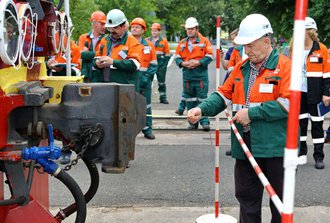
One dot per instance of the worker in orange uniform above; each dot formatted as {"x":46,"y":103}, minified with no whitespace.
{"x":163,"y":56}
{"x":89,"y":44}
{"x":315,"y":88}
{"x":193,"y":54}
{"x":57,"y":63}
{"x":258,"y":90}
{"x":120,"y":57}
{"x":148,"y":68}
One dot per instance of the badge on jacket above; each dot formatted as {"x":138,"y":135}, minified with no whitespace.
{"x":314,"y":59}
{"x":266,"y":88}
{"x":122,"y":54}
{"x":146,"y":50}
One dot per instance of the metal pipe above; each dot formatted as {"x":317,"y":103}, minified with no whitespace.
{"x":291,"y":159}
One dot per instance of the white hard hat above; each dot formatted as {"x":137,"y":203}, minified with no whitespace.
{"x":191,"y":22}
{"x":310,"y":23}
{"x":252,"y":27}
{"x":115,"y":17}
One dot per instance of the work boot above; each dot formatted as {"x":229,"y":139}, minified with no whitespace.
{"x":206,"y":127}
{"x":193,"y":126}
{"x":164,"y":101}
{"x":319,"y":164}
{"x":149,"y":135}
{"x":179,"y":112}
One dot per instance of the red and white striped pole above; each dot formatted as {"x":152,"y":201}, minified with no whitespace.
{"x":271,"y":192}
{"x":217,"y":127}
{"x":291,"y":159}
{"x":217,"y":217}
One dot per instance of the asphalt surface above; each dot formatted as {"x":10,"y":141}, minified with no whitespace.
{"x":172,"y":178}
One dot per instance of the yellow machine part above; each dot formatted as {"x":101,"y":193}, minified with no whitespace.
{"x":57,"y":83}
{"x":9,"y":76}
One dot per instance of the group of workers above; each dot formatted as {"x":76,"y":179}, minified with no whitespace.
{"x":257,"y":87}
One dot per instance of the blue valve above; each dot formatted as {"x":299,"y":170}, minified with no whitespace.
{"x":44,"y":154}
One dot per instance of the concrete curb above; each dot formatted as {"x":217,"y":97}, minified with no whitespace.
{"x":315,"y":214}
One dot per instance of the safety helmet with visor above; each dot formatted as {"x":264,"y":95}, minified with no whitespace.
{"x":252,"y":27}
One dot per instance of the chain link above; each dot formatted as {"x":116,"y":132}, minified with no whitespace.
{"x":87,"y":135}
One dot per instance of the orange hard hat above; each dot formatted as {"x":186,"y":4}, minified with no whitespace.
{"x":98,"y":16}
{"x":156,"y":26}
{"x":139,"y":21}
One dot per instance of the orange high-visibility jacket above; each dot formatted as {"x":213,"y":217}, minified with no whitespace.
{"x":86,"y":41}
{"x":235,"y":57}
{"x":126,"y":55}
{"x":75,"y":55}
{"x":276,"y":73}
{"x":318,"y":73}
{"x":201,"y":51}
{"x":269,"y":105}
{"x":162,"y":47}
{"x":148,"y":59}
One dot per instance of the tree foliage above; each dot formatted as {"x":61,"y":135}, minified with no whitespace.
{"x":173,"y":13}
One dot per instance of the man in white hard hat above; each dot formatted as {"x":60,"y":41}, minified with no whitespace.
{"x":258,"y":89}
{"x":121,"y":53}
{"x":314,"y":89}
{"x":193,"y":55}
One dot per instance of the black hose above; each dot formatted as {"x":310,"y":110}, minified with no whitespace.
{"x":94,"y":185}
{"x":30,"y":176}
{"x":76,"y":192}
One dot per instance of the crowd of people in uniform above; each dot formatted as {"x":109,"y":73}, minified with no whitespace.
{"x":257,"y":86}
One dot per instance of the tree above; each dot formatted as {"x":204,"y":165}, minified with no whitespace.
{"x":318,"y":10}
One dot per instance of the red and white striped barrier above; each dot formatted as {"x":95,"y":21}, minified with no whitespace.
{"x":217,"y":217}
{"x":271,"y":192}
{"x":291,"y":160}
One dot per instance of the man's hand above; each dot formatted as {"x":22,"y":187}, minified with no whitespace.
{"x":186,"y":64}
{"x":104,"y":61}
{"x":51,"y":63}
{"x":194,"y":63}
{"x":194,"y":115}
{"x":242,"y":117}
{"x":84,"y":49}
{"x":326,"y":100}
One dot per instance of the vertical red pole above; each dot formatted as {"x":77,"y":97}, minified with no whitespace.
{"x":217,"y":120}
{"x":291,"y":159}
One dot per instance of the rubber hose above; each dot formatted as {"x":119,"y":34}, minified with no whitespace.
{"x":94,"y":185}
{"x":76,"y":192}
